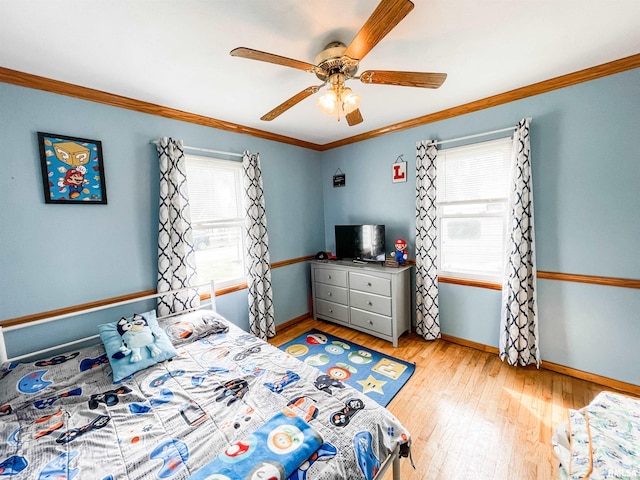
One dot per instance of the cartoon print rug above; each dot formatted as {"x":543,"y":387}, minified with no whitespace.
{"x":375,"y":374}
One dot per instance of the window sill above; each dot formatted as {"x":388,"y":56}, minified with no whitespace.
{"x":470,"y":283}
{"x":224,"y":291}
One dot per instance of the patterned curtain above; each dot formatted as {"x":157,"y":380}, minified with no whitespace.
{"x":261,"y":314}
{"x":427,"y":311}
{"x":176,"y":257}
{"x":519,"y":311}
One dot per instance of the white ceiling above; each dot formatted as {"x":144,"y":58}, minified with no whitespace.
{"x":176,"y":53}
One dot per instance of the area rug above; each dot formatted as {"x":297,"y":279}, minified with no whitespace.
{"x":373,"y":373}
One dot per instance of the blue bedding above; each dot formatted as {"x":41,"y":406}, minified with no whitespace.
{"x":65,"y":418}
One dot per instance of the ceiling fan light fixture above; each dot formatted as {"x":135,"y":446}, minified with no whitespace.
{"x":350,"y":100}
{"x":328,"y":102}
{"x":338,"y":101}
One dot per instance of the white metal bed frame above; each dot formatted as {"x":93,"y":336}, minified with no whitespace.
{"x":392,"y":460}
{"x":3,"y":347}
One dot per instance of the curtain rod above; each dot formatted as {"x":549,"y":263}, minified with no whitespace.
{"x":476,"y":135}
{"x":207,"y":150}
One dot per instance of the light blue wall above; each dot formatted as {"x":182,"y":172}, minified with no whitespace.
{"x":586,"y":169}
{"x":586,"y":161}
{"x":55,"y":256}
{"x":592,"y":328}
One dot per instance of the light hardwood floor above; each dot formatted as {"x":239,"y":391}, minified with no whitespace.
{"x":470,"y":415}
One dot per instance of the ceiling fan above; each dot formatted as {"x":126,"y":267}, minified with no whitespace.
{"x":338,"y":63}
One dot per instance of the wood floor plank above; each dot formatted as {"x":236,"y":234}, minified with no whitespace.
{"x":470,"y":415}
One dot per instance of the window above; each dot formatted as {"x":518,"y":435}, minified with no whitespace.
{"x":472,"y":196}
{"x":217,"y":219}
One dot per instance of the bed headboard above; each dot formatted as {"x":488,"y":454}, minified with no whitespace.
{"x":202,"y":289}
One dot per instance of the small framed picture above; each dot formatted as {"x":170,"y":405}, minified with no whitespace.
{"x":399,"y":172}
{"x":72,"y":169}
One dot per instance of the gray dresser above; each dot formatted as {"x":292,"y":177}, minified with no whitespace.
{"x":371,"y":298}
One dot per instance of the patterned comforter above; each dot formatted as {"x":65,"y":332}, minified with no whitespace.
{"x":602,"y":440}
{"x":63,"y":418}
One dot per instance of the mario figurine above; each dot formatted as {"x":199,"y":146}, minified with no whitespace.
{"x":401,"y":251}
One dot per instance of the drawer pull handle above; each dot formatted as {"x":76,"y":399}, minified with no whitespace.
{"x":370,"y":322}
{"x":329,"y":293}
{"x":330,"y":311}
{"x":329,"y":277}
{"x":368,"y":284}
{"x":369,"y":303}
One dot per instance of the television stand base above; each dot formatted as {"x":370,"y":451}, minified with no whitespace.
{"x":360,"y":262}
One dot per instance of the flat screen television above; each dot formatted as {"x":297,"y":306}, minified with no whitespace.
{"x":360,"y":242}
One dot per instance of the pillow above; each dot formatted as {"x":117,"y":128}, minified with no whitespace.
{"x":192,"y":326}
{"x":135,"y":343}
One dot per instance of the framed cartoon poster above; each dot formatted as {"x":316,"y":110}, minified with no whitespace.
{"x":72,"y":169}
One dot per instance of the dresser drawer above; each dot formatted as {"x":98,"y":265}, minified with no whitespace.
{"x":371,"y":321}
{"x":333,"y":310}
{"x":331,"y":293}
{"x":331,"y":277}
{"x":370,"y":284}
{"x":371,"y":303}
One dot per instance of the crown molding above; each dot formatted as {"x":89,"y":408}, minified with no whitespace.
{"x":84,"y":93}
{"x":592,"y":73}
{"x":55,"y":86}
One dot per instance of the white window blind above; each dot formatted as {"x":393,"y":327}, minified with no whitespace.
{"x":217,"y":219}
{"x":472,"y":192}
{"x":214,"y":189}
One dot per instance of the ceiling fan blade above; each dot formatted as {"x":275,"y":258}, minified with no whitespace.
{"x":252,"y":54}
{"x":405,"y":79}
{"x":286,"y":105}
{"x":384,"y":18}
{"x":354,"y":117}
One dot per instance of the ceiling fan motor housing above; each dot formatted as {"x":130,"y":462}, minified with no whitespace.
{"x":332,"y":60}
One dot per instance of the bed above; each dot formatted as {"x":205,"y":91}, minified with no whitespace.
{"x":601,"y":440}
{"x":225,"y":405}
